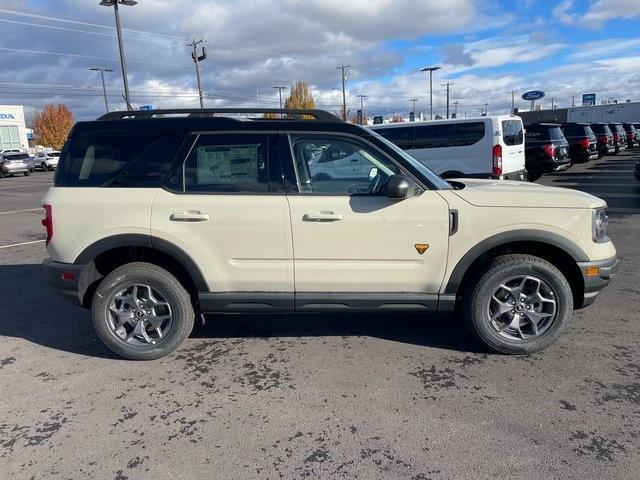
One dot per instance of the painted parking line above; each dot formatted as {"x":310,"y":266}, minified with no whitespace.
{"x":28,"y":185}
{"x":20,"y":244}
{"x":22,"y":211}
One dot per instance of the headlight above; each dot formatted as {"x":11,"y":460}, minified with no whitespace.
{"x":600,"y":222}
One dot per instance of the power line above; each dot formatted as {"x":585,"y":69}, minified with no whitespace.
{"x":86,"y":24}
{"x":77,"y":55}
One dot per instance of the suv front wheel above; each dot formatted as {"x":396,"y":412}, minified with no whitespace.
{"x":519,"y":305}
{"x":142,"y":312}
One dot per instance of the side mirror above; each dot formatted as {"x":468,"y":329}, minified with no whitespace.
{"x":398,"y":186}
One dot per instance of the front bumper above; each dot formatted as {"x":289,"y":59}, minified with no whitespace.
{"x":594,"y":283}
{"x":68,"y":280}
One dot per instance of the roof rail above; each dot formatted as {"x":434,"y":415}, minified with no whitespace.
{"x":310,"y":114}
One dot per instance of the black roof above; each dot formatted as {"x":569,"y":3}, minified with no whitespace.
{"x":582,"y":124}
{"x":176,"y":120}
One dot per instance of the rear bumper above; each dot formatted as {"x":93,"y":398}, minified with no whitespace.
{"x":594,"y":283}
{"x":68,"y":280}
{"x":13,"y":171}
{"x":519,"y":175}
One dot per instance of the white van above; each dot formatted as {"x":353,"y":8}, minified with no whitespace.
{"x":483,"y":147}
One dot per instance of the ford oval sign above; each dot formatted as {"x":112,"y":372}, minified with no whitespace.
{"x":533,"y":95}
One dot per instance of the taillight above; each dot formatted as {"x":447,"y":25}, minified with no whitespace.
{"x":549,"y":150}
{"x":496,"y":153}
{"x":584,"y":143}
{"x":47,"y":222}
{"x":616,"y":137}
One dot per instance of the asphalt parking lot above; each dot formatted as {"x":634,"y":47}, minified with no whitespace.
{"x":340,"y":396}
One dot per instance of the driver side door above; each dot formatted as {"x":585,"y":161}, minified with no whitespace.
{"x":351,"y":241}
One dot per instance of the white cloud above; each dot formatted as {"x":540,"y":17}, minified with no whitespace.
{"x":597,"y":14}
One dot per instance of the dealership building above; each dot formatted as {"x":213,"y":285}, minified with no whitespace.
{"x":13,"y":131}
{"x":613,"y":112}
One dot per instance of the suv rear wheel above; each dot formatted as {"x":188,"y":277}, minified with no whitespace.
{"x":519,"y":305}
{"x":142,"y":312}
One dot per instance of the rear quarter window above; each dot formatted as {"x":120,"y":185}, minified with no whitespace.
{"x":119,"y":160}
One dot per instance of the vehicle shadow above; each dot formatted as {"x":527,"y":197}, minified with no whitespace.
{"x":31,"y":312}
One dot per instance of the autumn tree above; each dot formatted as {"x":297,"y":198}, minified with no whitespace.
{"x":51,"y":126}
{"x":300,"y":97}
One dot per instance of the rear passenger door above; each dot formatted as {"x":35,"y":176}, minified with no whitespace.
{"x":224,"y":205}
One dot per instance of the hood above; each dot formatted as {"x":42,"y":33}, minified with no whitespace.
{"x":507,"y":193}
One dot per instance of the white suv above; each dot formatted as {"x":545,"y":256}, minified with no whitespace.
{"x":46,"y":161}
{"x":154,"y":218}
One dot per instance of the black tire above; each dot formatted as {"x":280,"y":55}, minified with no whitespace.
{"x":481,"y":288}
{"x":532,"y":177}
{"x":173,"y":292}
{"x":26,"y":174}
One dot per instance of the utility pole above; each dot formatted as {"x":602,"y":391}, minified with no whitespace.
{"x":104,"y":87}
{"x":448,"y":84}
{"x":513,"y":101}
{"x":114,"y":4}
{"x":486,"y":108}
{"x":552,"y":103}
{"x":280,"y":93}
{"x":573,"y":101}
{"x":343,"y":68}
{"x":430,"y":70}
{"x":455,"y":106}
{"x":362,"y":97}
{"x":197,"y":58}
{"x":414,"y":100}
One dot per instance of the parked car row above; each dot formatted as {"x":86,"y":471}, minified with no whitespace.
{"x":17,"y":162}
{"x":552,"y":147}
{"x":501,"y":147}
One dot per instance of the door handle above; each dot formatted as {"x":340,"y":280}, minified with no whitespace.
{"x":189,"y":216}
{"x":322,"y":217}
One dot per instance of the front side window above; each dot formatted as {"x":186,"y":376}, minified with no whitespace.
{"x":340,"y":166}
{"x":227,"y":164}
{"x":512,"y":133}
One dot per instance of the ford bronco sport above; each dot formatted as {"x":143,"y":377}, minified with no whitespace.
{"x":158,"y":216}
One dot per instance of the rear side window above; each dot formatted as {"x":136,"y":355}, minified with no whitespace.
{"x":228,"y":164}
{"x":470,"y":133}
{"x":573,"y":130}
{"x":401,"y":136}
{"x":512,"y":133}
{"x":435,"y":136}
{"x":119,"y":160}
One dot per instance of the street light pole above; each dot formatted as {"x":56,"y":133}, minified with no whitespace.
{"x":114,"y":4}
{"x":104,"y":87}
{"x":414,"y":100}
{"x":455,"y":107}
{"x":280,"y":93}
{"x":430,"y":70}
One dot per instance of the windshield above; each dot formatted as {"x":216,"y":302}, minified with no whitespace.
{"x":54,"y":154}
{"x":19,"y":156}
{"x":438,"y":182}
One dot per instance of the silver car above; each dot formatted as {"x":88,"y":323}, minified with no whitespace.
{"x":13,"y":164}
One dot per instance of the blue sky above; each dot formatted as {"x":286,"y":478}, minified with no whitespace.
{"x":487,"y":49}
